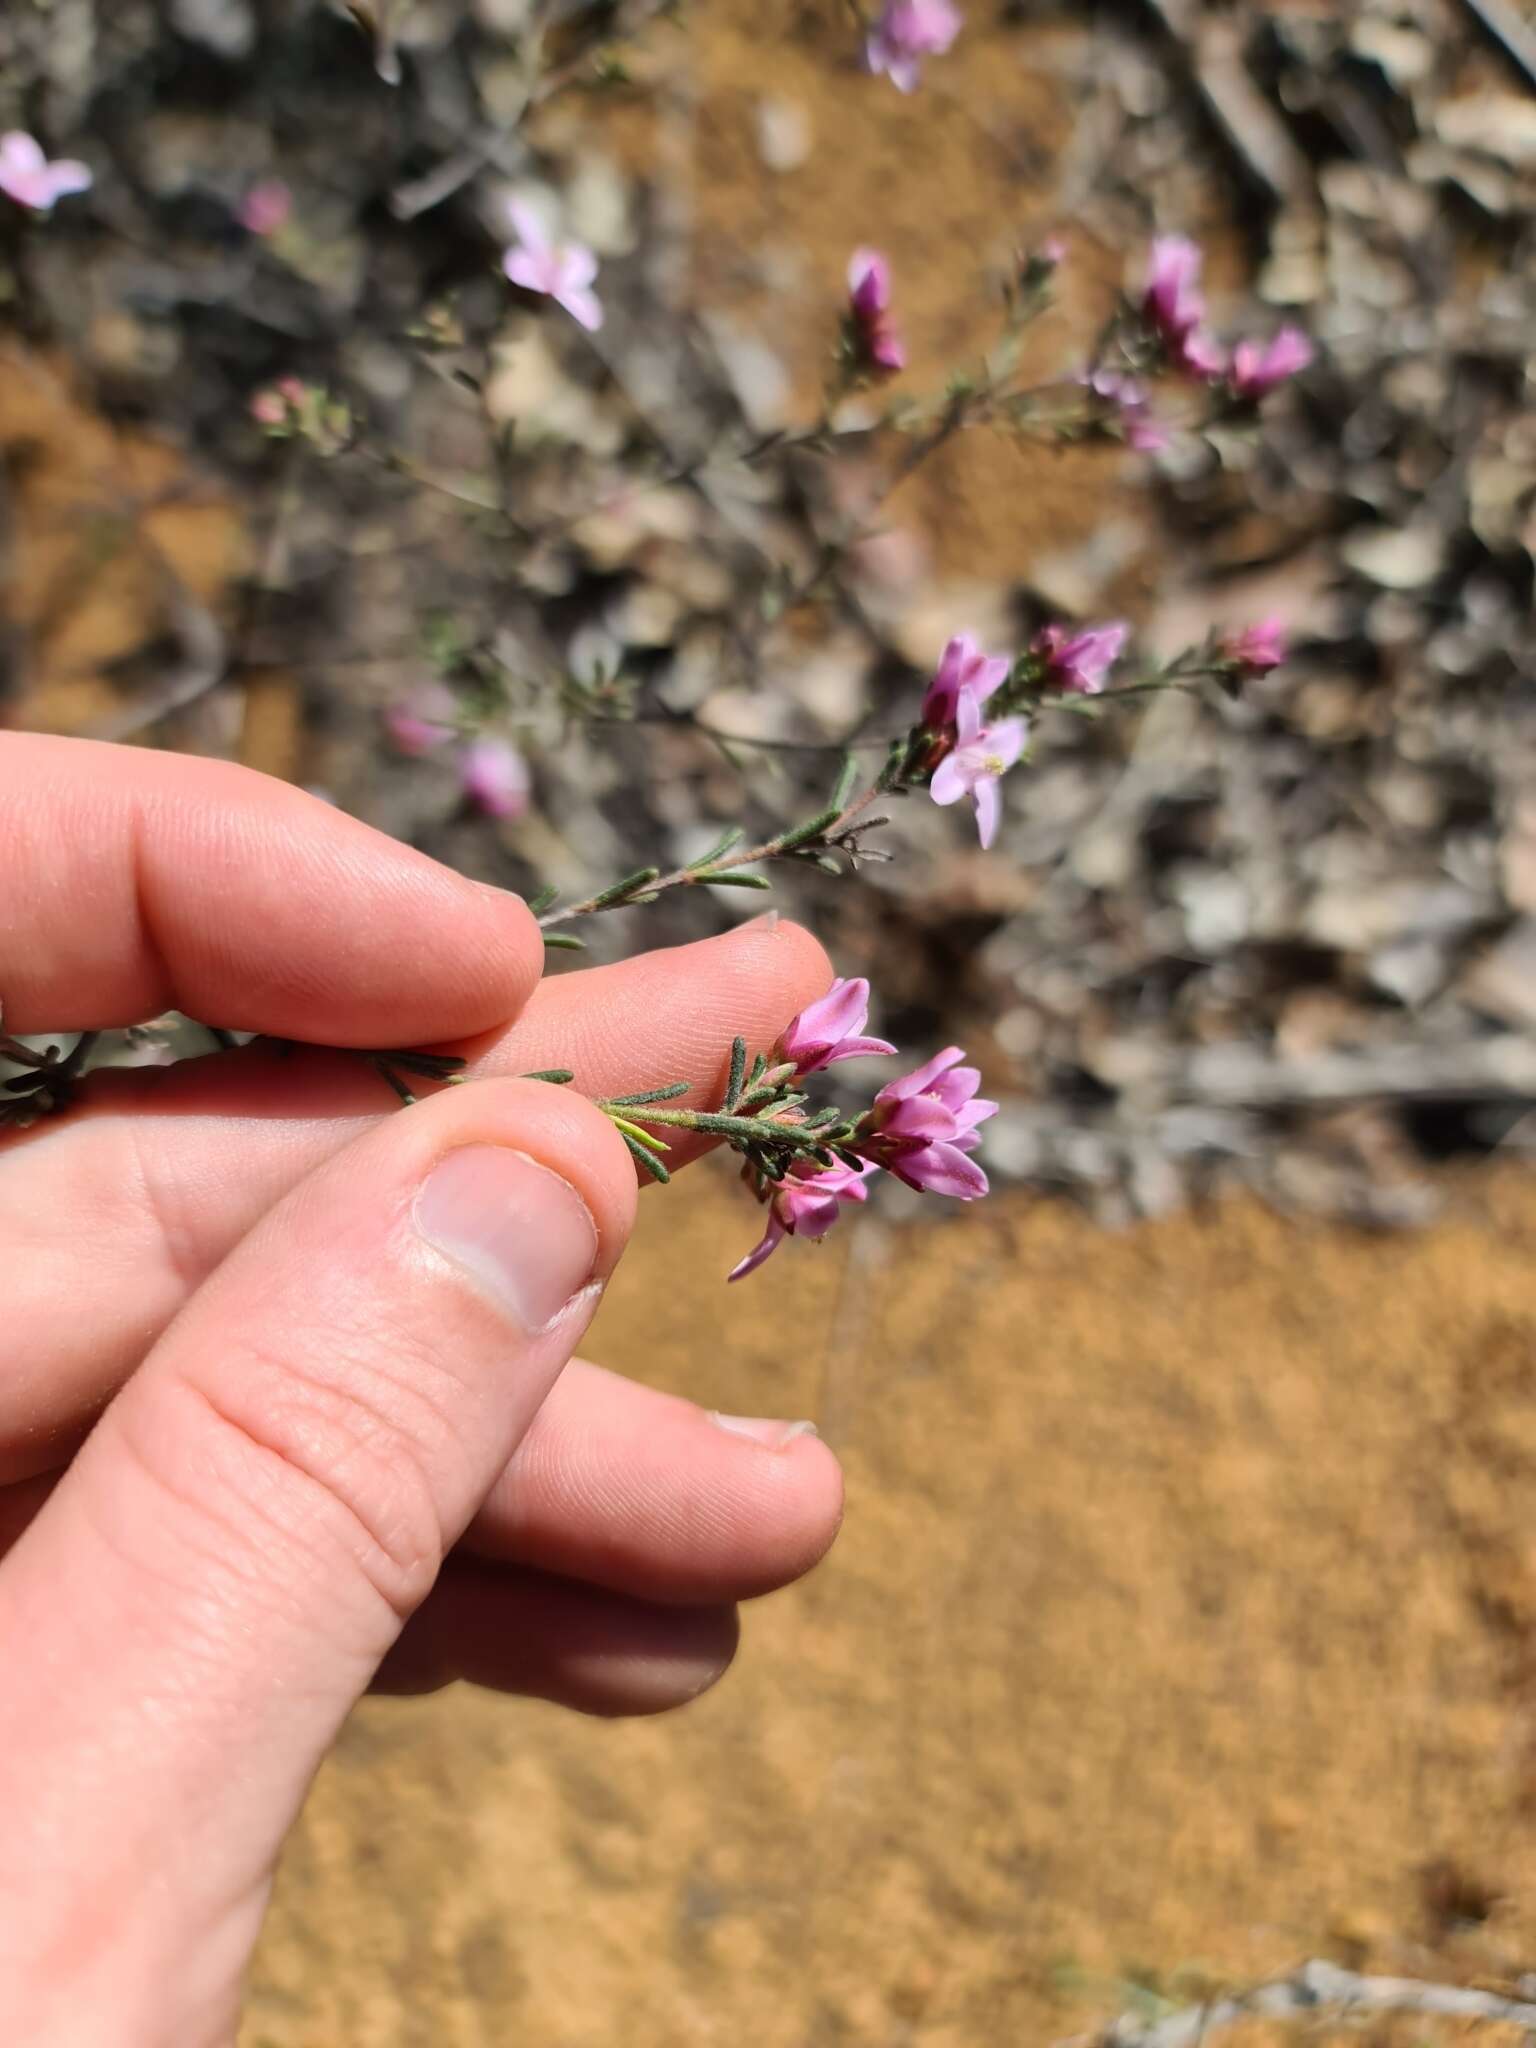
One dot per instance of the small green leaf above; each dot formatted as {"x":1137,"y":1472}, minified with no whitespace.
{"x":564,"y":942}
{"x":646,"y":1138}
{"x":542,"y":898}
{"x":558,"y":1075}
{"x":667,"y":1094}
{"x":847,"y":776}
{"x":617,"y":892}
{"x":718,"y":852}
{"x":738,"y":1072}
{"x":738,"y":879}
{"x":798,"y":835}
{"x":648,"y":1160}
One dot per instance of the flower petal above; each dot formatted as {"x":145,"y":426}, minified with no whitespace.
{"x":772,"y":1238}
{"x":527,"y":226}
{"x":989,"y":808}
{"x":858,"y":1049}
{"x":943,"y":1170}
{"x":584,"y":307}
{"x":951,"y":780}
{"x":922,"y":1078}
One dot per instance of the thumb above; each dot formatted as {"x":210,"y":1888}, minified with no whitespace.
{"x":186,"y":1625}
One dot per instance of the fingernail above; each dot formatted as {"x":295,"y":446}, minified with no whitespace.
{"x":762,"y":1429}
{"x":763,"y":922}
{"x":523,"y":1234}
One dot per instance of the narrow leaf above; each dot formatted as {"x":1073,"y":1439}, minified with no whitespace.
{"x":737,"y":1074}
{"x":618,"y":891}
{"x":648,"y":1160}
{"x":705,"y":860}
{"x":799,"y":835}
{"x":847,"y":776}
{"x":738,"y":879}
{"x":541,"y":899}
{"x":559,"y":1075}
{"x":564,"y":942}
{"x":667,"y":1094}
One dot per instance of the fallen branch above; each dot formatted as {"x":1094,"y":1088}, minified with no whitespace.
{"x":1313,"y":1989}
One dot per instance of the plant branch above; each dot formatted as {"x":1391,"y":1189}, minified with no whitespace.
{"x":1314,"y":1988}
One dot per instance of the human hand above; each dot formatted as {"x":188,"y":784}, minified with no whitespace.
{"x":340,"y":1449}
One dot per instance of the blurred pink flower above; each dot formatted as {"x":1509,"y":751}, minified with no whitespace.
{"x":268,"y":408}
{"x":906,"y":32}
{"x":982,"y":755}
{"x":266,"y":207}
{"x":494,"y":776}
{"x":806,"y":1203}
{"x":1174,"y":306}
{"x":829,"y":1030}
{"x":1259,"y":366}
{"x":1079,"y":663}
{"x":1258,"y":648}
{"x":562,"y":271}
{"x":963,"y":671}
{"x":876,"y":342}
{"x":1142,"y":429}
{"x":422,"y":719}
{"x":31,"y":180}
{"x":924,"y":1126}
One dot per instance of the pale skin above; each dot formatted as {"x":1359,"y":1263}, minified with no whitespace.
{"x":264,"y":1445}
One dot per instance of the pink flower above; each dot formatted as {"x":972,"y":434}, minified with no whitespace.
{"x":1257,"y":649}
{"x":1079,"y":662}
{"x":1259,"y":366}
{"x":1143,"y":431}
{"x":908,"y":31}
{"x":806,"y":1203}
{"x":562,"y":271}
{"x":269,"y":408}
{"x":494,"y":776}
{"x":1174,"y":306}
{"x":876,"y":344}
{"x":924,"y":1126}
{"x":963,"y":671}
{"x":422,"y":719}
{"x":266,"y":207}
{"x":829,"y":1030}
{"x":982,"y":755}
{"x":27,"y":176}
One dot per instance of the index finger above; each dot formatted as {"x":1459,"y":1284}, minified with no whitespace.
{"x":133,"y":882}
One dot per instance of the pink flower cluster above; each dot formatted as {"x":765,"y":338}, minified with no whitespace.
{"x":1173,"y":306}
{"x":922,"y":1128}
{"x":873,"y":341}
{"x":31,"y":180}
{"x":492,"y":773}
{"x":906,"y":32}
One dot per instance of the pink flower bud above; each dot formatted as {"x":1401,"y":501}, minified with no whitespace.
{"x":1257,"y":649}
{"x":423,"y":719}
{"x":1079,"y":663}
{"x":1173,"y":306}
{"x":830,"y":1030}
{"x":1258,"y":367}
{"x":905,"y":33}
{"x":266,"y":207}
{"x":877,"y":347}
{"x":963,"y":671}
{"x":268,"y":408}
{"x":494,"y":776}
